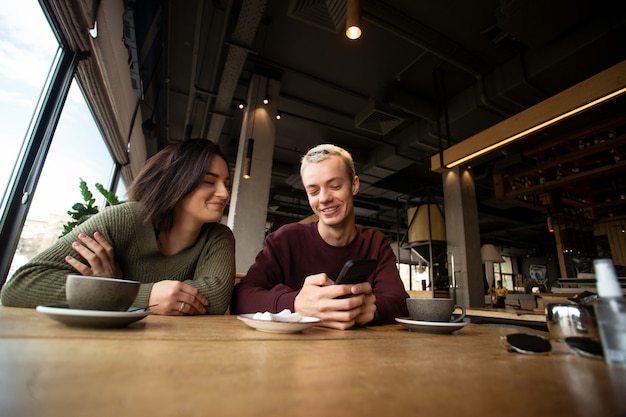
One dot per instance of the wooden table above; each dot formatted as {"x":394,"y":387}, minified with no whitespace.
{"x":217,"y":366}
{"x":535,"y":319}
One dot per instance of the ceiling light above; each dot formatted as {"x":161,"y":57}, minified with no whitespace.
{"x":535,"y":128}
{"x":550,"y":225}
{"x":278,"y":115}
{"x":426,"y":223}
{"x":266,"y":100}
{"x":549,"y":219}
{"x":586,"y":94}
{"x":241,"y":105}
{"x":489,"y":255}
{"x":247,"y":164}
{"x":353,"y":19}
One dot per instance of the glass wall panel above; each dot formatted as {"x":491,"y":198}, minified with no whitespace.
{"x":27,"y":50}
{"x":77,"y":151}
{"x":503,"y":272}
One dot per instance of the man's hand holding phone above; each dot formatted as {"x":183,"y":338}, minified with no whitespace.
{"x":355,"y":271}
{"x":319,"y":297}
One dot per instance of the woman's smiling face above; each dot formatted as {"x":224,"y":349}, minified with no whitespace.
{"x":207,"y":201}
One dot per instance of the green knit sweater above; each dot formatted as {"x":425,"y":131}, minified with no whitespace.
{"x":209,"y":265}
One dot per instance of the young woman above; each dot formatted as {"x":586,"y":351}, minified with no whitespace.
{"x":168,"y":237}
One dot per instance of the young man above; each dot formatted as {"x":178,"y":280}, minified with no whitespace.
{"x":296,"y":268}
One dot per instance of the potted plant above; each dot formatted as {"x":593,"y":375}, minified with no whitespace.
{"x":82,"y":211}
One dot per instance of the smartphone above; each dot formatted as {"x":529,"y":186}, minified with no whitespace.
{"x":355,"y":271}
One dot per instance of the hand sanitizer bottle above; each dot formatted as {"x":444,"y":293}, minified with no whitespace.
{"x":606,"y":279}
{"x":610,"y":309}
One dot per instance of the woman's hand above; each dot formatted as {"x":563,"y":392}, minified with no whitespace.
{"x":99,"y":256}
{"x":175,"y":298}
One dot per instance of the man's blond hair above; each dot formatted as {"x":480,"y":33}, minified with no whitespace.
{"x":324,"y":151}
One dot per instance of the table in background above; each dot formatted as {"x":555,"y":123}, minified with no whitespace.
{"x":535,"y":319}
{"x":217,"y":366}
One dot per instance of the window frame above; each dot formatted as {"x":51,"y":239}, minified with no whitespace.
{"x":30,"y":161}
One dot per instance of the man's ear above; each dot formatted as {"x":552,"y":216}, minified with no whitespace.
{"x":355,"y":185}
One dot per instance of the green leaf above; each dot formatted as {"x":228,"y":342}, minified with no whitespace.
{"x":83,"y":211}
{"x":110,"y":197}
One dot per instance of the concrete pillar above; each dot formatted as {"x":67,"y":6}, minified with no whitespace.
{"x":463,"y":236}
{"x":249,"y":199}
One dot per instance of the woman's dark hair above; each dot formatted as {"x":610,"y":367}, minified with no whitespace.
{"x":171,"y":174}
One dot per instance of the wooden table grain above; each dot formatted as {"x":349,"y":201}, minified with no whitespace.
{"x":217,"y":366}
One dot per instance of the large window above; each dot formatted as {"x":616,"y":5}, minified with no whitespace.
{"x":414,"y":277}
{"x":27,"y":51}
{"x":503,"y":272}
{"x":77,"y":150}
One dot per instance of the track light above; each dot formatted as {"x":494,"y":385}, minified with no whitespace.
{"x":353,"y":19}
{"x":241,"y":105}
{"x":247,"y":164}
{"x":266,"y":99}
{"x":623,"y":229}
{"x":550,"y":224}
{"x":278,"y":115}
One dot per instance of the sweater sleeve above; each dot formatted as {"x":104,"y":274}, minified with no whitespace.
{"x":388,"y":288}
{"x":215,"y":272}
{"x":264,"y":288}
{"x":42,"y":279}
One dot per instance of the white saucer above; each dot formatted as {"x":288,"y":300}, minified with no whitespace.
{"x":93,"y":318}
{"x":278,"y":326}
{"x":441,"y":327}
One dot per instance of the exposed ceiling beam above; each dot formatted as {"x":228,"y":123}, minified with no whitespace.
{"x":591,"y":90}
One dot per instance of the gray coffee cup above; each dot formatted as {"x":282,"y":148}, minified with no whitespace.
{"x":98,"y":293}
{"x":434,"y":309}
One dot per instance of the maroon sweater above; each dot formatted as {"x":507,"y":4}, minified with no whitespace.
{"x":296,"y":251}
